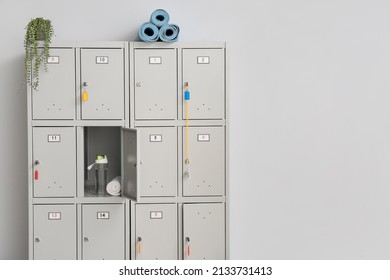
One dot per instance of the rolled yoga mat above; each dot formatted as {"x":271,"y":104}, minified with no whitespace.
{"x":169,"y":33}
{"x":159,"y":17}
{"x":148,"y":32}
{"x":114,"y":186}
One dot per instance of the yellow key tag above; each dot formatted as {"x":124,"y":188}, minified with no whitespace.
{"x":85,"y":95}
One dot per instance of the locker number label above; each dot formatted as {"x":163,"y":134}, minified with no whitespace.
{"x":54,"y":138}
{"x":53,"y":60}
{"x":155,"y":60}
{"x":155,"y":138}
{"x":54,"y":215}
{"x":203,"y":137}
{"x":203,"y":59}
{"x":102,"y":60}
{"x":103,"y":215}
{"x":156,"y":214}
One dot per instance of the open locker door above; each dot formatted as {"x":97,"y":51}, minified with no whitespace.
{"x":130,"y":163}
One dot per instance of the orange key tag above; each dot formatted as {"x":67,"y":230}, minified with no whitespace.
{"x":85,"y":95}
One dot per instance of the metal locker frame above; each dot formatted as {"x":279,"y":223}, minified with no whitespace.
{"x":129,"y":121}
{"x":179,"y":123}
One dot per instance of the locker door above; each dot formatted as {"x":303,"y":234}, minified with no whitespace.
{"x":130,"y":163}
{"x":155,"y":84}
{"x":102,"y":71}
{"x":158,"y":167}
{"x":206,"y":166}
{"x":204,"y":231}
{"x":103,"y":232}
{"x":54,"y":232}
{"x":156,"y":232}
{"x":54,"y":157}
{"x":55,"y":97}
{"x":204,"y":70}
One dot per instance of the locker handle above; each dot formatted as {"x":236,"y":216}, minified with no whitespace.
{"x":86,"y":239}
{"x":37,"y":239}
{"x":139,"y":245}
{"x":188,"y":246}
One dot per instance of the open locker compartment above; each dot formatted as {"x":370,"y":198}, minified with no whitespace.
{"x":121,"y":147}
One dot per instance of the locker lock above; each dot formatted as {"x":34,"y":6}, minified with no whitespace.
{"x":84,"y":95}
{"x":139,"y":244}
{"x":188,"y":246}
{"x":36,"y":173}
{"x":37,"y":239}
{"x":86,"y":239}
{"x":138,"y":84}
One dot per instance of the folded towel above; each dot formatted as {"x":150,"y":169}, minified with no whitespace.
{"x":148,"y":32}
{"x":159,"y":17}
{"x":114,"y":186}
{"x":169,"y":33}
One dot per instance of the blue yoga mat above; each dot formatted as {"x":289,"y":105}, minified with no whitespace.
{"x":169,"y":33}
{"x":159,"y":17}
{"x":148,"y":32}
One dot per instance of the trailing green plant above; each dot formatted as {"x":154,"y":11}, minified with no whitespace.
{"x":38,"y":29}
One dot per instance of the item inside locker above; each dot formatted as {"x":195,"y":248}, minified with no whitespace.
{"x":114,"y":186}
{"x":101,"y":169}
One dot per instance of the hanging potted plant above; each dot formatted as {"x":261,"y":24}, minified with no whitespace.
{"x":38,"y":30}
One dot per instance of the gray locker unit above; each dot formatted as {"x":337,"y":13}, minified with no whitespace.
{"x":156,"y":232}
{"x":103,"y":232}
{"x":126,"y":100}
{"x":54,"y":156}
{"x":56,"y":96}
{"x":102,"y":76}
{"x":204,"y":231}
{"x":207,"y":162}
{"x":155,"y":84}
{"x":158,"y":169}
{"x":54,"y":232}
{"x":204,"y":70}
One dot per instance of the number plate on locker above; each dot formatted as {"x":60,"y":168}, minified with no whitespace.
{"x":155,"y":60}
{"x":53,"y":138}
{"x":53,"y":60}
{"x":155,"y":138}
{"x":103,"y":215}
{"x":54,"y":215}
{"x":156,"y":214}
{"x":203,"y":59}
{"x":203,"y":137}
{"x":102,"y":60}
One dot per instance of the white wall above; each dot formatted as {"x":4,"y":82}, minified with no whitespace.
{"x":310,"y":116}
